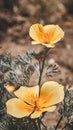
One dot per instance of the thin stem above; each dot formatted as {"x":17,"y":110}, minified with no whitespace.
{"x":59,"y":122}
{"x":42,"y":67}
{"x":38,"y":124}
{"x":43,"y":124}
{"x":35,"y":126}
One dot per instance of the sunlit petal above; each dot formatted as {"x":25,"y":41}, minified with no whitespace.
{"x":28,"y":94}
{"x":10,"y":88}
{"x":35,"y":42}
{"x":49,"y":109}
{"x":18,"y":108}
{"x":47,"y":45}
{"x":55,"y":33}
{"x":49,"y":28}
{"x":36,"y":114}
{"x":52,"y":92}
{"x":36,"y":31}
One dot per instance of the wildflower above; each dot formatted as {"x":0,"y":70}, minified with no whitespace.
{"x":46,"y":35}
{"x":29,"y":103}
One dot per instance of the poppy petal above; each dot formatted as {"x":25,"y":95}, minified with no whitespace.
{"x":52,"y":92}
{"x":55,"y":33}
{"x":47,"y":45}
{"x":36,"y":31}
{"x":49,"y":109}
{"x":35,"y":42}
{"x":18,"y":108}
{"x":36,"y":114}
{"x":10,"y":88}
{"x":28,"y":94}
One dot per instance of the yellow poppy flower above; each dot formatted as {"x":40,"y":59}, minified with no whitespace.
{"x":46,"y":35}
{"x":29,"y":103}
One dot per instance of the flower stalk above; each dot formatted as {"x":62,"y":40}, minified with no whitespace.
{"x":42,"y":67}
{"x":58,"y":123}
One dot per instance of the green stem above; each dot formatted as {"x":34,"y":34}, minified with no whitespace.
{"x":42,"y":67}
{"x":59,"y":122}
{"x":38,"y":124}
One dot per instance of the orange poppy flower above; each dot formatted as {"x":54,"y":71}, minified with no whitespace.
{"x":29,"y":103}
{"x":46,"y":35}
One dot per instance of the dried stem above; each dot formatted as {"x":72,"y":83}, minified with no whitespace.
{"x":59,"y":122}
{"x":42,"y":124}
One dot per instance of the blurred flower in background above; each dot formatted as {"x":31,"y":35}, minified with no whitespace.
{"x":10,"y":88}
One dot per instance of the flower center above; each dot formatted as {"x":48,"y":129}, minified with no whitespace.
{"x":36,"y":107}
{"x":43,"y":37}
{"x":46,"y":38}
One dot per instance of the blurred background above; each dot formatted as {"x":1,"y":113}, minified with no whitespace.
{"x":16,"y":17}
